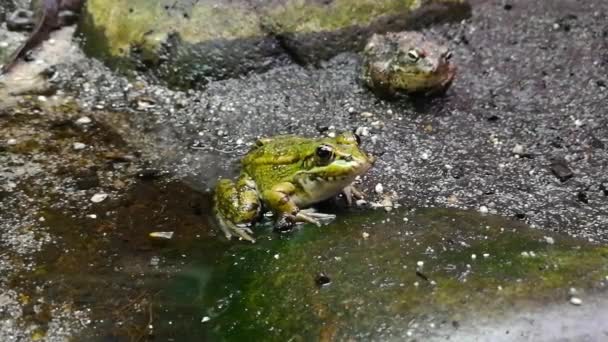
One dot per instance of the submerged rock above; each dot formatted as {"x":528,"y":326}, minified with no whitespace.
{"x":188,"y":43}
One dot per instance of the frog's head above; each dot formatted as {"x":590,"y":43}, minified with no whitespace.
{"x":332,"y":164}
{"x":421,"y":65}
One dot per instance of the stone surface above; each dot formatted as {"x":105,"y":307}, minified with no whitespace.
{"x":188,"y":44}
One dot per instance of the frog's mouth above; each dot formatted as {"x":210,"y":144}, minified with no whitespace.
{"x":320,"y":184}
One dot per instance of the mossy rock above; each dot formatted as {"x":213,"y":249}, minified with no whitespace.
{"x":382,"y":273}
{"x":188,"y":43}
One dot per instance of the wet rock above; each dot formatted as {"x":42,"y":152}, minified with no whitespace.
{"x":188,"y":43}
{"x":561,"y":170}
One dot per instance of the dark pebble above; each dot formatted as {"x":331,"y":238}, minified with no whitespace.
{"x":149,"y":174}
{"x":600,"y":83}
{"x":604,"y":188}
{"x":597,"y":143}
{"x":508,"y":7}
{"x":87,"y":181}
{"x":68,"y":17}
{"x":322,"y":279}
{"x":520,"y":216}
{"x":457,"y":172}
{"x":582,"y":196}
{"x":493,"y":118}
{"x":20,"y":20}
{"x":561,"y":170}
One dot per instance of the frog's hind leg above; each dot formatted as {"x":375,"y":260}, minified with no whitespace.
{"x":237,"y":207}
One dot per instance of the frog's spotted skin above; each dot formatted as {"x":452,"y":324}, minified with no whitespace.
{"x":406,"y":62}
{"x":286,"y":173}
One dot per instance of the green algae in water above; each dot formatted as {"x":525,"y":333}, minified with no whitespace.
{"x":381,"y":280}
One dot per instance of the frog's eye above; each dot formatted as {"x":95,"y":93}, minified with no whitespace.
{"x":413,"y":55}
{"x":325,"y":153}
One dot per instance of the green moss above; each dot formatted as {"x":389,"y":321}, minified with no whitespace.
{"x":374,"y":279}
{"x":313,"y":16}
{"x":146,"y":23}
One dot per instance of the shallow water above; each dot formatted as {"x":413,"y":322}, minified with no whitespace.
{"x":367,"y":275}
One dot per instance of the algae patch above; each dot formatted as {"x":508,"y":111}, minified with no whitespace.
{"x":440,"y":265}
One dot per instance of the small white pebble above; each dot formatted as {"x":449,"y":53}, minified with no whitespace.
{"x":416,"y":284}
{"x":92,"y":216}
{"x":486,"y":255}
{"x":420,"y":263}
{"x":549,"y":240}
{"x":532,"y":254}
{"x":365,"y":235}
{"x":161,"y":235}
{"x":578,"y":123}
{"x":377,"y":124}
{"x":525,"y":254}
{"x":85,"y":120}
{"x":362,"y":131}
{"x":42,"y":98}
{"x":366,"y":114}
{"x":572,"y":291}
{"x":405,"y":219}
{"x":41,"y":219}
{"x":483,"y":209}
{"x":11,"y":142}
{"x":239,"y":141}
{"x":351,"y":110}
{"x":424,"y":156}
{"x":205,"y":319}
{"x":276,"y":256}
{"x":499,"y":288}
{"x":97,"y":198}
{"x":379,"y":188}
{"x":576,"y":301}
{"x":473,"y":256}
{"x":79,"y":146}
{"x":3,"y":44}
{"x":518,"y":149}
{"x":360,"y":202}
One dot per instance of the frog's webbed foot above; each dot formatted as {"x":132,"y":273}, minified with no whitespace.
{"x":351,"y":192}
{"x":312,"y":216}
{"x":237,"y":207}
{"x":239,"y":230}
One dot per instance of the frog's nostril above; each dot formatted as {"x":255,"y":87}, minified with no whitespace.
{"x":348,"y":158}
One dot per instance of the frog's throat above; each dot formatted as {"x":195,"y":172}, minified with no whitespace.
{"x":319,"y":186}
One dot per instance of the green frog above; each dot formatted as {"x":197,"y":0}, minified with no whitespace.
{"x":406,"y":62}
{"x":286,"y":174}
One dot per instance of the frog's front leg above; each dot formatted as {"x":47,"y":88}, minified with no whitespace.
{"x":351,"y":192}
{"x":237,"y":206}
{"x":280,"y":200}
